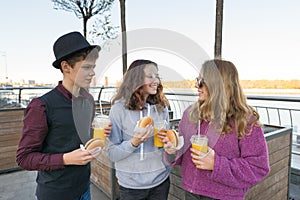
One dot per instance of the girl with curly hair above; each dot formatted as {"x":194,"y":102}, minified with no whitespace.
{"x":140,"y":167}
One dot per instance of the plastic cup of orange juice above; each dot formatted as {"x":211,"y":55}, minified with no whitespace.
{"x":158,"y":126}
{"x":200,"y":142}
{"x":100,"y":121}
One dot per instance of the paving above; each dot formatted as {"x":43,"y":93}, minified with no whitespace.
{"x":294,"y":192}
{"x":20,"y":185}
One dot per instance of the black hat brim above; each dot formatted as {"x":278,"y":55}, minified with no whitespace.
{"x":57,"y":62}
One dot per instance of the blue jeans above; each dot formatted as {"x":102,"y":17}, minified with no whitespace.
{"x":85,"y":196}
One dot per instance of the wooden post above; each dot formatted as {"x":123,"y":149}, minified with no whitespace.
{"x":124,"y":35}
{"x":218,"y":29}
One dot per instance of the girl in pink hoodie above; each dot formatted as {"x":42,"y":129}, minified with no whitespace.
{"x":237,"y":155}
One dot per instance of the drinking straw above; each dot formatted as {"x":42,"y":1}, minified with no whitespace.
{"x":165,"y":124}
{"x":101,"y":110}
{"x":199,"y":128}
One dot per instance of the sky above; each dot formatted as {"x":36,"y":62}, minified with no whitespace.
{"x":261,"y":37}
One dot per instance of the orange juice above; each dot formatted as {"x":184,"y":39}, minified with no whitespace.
{"x":100,"y":121}
{"x":99,"y":133}
{"x":200,"y":142}
{"x":158,"y":126}
{"x":157,"y":141}
{"x":203,"y":149}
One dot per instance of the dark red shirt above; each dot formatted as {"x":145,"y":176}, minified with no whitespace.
{"x":29,"y":154}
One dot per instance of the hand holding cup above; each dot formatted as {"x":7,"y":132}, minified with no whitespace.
{"x":102,"y":127}
{"x":203,"y":160}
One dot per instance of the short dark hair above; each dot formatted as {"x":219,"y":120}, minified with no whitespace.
{"x":88,"y":53}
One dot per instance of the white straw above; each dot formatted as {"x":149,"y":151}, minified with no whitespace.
{"x":199,"y":127}
{"x":100,"y":104}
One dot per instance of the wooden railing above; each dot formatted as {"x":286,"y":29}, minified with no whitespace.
{"x":287,"y":114}
{"x":280,"y":115}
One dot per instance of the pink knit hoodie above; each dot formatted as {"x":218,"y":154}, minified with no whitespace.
{"x":238,"y":164}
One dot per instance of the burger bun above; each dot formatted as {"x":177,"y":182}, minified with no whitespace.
{"x":94,"y":143}
{"x":145,"y":121}
{"x":173,"y":137}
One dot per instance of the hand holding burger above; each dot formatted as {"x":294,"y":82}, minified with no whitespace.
{"x":94,"y":143}
{"x":171,"y":141}
{"x":143,"y":132}
{"x":93,"y":146}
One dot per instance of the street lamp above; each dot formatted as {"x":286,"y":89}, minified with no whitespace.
{"x":3,"y":53}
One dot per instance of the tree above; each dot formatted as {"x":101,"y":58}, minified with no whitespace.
{"x":124,"y":35}
{"x":84,"y":9}
{"x":102,"y":31}
{"x":218,"y":29}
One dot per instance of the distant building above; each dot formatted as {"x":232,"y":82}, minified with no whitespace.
{"x":31,"y":82}
{"x":106,"y":81}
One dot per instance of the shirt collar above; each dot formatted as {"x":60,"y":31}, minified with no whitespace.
{"x":83,"y":93}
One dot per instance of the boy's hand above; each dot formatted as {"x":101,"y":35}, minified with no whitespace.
{"x":78,"y":157}
{"x":107,"y":129}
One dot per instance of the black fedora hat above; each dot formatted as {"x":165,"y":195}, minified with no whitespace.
{"x":69,"y":44}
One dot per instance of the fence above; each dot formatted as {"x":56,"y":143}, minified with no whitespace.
{"x":274,"y":110}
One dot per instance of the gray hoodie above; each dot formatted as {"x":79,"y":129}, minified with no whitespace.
{"x":130,"y":170}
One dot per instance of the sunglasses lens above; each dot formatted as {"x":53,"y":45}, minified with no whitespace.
{"x":199,"y":82}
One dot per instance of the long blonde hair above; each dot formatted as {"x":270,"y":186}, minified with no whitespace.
{"x":213,"y":109}
{"x":236,"y":110}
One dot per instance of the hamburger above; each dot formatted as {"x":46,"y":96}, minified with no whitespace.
{"x":94,"y":143}
{"x":173,"y":137}
{"x":145,"y":121}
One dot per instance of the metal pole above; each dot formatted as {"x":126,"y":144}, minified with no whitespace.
{"x":4,"y":56}
{"x":6,"y":72}
{"x":113,"y":179}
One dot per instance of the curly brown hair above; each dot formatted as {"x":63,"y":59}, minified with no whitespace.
{"x":131,"y":88}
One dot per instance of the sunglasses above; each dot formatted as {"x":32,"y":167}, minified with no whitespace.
{"x":199,"y":82}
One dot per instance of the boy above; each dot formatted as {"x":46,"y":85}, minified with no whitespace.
{"x":56,"y":123}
